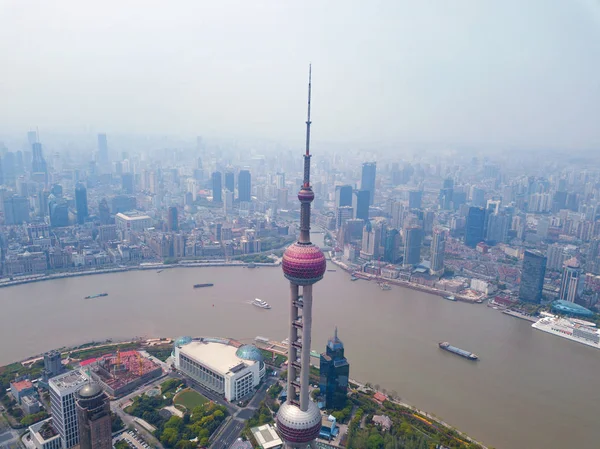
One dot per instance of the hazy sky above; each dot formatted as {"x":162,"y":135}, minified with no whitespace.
{"x":522,"y":72}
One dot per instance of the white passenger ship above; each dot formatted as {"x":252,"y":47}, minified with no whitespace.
{"x":573,"y":329}
{"x":260,"y":303}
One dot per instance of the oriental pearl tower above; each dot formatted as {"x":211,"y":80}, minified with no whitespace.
{"x":299,"y":419}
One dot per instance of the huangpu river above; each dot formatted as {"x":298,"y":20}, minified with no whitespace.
{"x":529,"y":389}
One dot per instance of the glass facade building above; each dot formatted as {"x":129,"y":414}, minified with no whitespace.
{"x":334,"y":373}
{"x":474,"y":231}
{"x":532,"y":276}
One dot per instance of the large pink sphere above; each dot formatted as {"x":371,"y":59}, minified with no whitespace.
{"x":296,"y":426}
{"x":306,"y":196}
{"x":303,"y":264}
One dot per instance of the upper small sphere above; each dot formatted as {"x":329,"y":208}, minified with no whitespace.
{"x":306,"y":196}
{"x":296,"y":426}
{"x":89,"y":390}
{"x":303,"y":264}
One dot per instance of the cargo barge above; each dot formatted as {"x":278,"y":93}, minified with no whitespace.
{"x":99,"y":295}
{"x":461,"y":352}
{"x":203,"y":285}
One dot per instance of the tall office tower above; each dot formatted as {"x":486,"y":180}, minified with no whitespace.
{"x":343,"y":214}
{"x":217,"y":187}
{"x":16,"y":210}
{"x":415,"y":199}
{"x":244,"y":186}
{"x":93,"y":415}
{"x":343,"y":196}
{"x":282,"y":198}
{"x":102,"y":155}
{"x":360,"y":204}
{"x":413,"y":237}
{"x":571,"y":283}
{"x":334,"y":372}
{"x":172,"y":219}
{"x":438,"y":246}
{"x":371,"y":238}
{"x":228,"y":202}
{"x":32,"y":137}
{"x":474,"y":231}
{"x":391,"y":245}
{"x":477,"y":196}
{"x":367,"y":181}
{"x":446,"y":194}
{"x":59,"y":211}
{"x":104,"y":211}
{"x":230,"y":181}
{"x":62,"y":404}
{"x":532,"y":276}
{"x":497,"y":228}
{"x":81,"y":205}
{"x":127,"y":183}
{"x":42,"y":203}
{"x":299,"y":419}
{"x":38,"y":163}
{"x":280,"y":180}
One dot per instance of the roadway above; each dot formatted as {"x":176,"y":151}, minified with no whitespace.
{"x":232,"y":430}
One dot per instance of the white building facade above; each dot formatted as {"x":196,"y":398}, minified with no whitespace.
{"x":62,"y":403}
{"x":221,"y":367}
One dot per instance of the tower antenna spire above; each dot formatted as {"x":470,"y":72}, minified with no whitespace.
{"x":308,"y":122}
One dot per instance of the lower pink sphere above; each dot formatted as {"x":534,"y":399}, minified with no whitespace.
{"x":303,"y":264}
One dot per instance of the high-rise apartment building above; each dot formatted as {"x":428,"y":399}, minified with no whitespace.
{"x":334,"y":372}
{"x":438,"y":246}
{"x":299,"y":419}
{"x":571,"y":283}
{"x":127,"y":183}
{"x":93,"y":416}
{"x":474,"y":231}
{"x":217,"y":187}
{"x":343,"y":214}
{"x":532,"y":276}
{"x":360,"y":204}
{"x":367,"y":182}
{"x":244,"y":186}
{"x":81,"y":204}
{"x":62,"y":403}
{"x":413,"y":237}
{"x":172,"y":219}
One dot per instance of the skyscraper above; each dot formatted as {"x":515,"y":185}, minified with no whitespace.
{"x":52,"y":366}
{"x":392,"y":244}
{"x":81,"y":204}
{"x":62,"y":405}
{"x":172,"y":220}
{"x":229,"y":181}
{"x":334,"y":371}
{"x":343,"y":196}
{"x":217,"y":187}
{"x":412,"y":245}
{"x":244,"y":185}
{"x":368,"y":179}
{"x":571,"y":283}
{"x":38,"y":163}
{"x":438,"y":246}
{"x":343,"y":214}
{"x":474,"y":231}
{"x":102,"y":155}
{"x":93,"y":415}
{"x":532,"y":276}
{"x":16,"y":210}
{"x":415,"y":198}
{"x":127,"y":183}
{"x":360,"y":204}
{"x":104,"y":211}
{"x":299,"y":419}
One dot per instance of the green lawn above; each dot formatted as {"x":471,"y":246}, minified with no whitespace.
{"x":189,"y":399}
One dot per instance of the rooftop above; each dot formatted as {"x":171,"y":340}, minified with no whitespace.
{"x":70,"y":380}
{"x":220,"y":357}
{"x":266,"y":437}
{"x":133,"y":215}
{"x":44,"y":430}
{"x":21,"y":385}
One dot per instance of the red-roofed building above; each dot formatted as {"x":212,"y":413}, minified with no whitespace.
{"x":380,"y":397}
{"x":21,"y":389}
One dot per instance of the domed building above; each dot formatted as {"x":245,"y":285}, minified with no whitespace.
{"x":93,"y":415}
{"x":252,"y":353}
{"x":179,"y":342}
